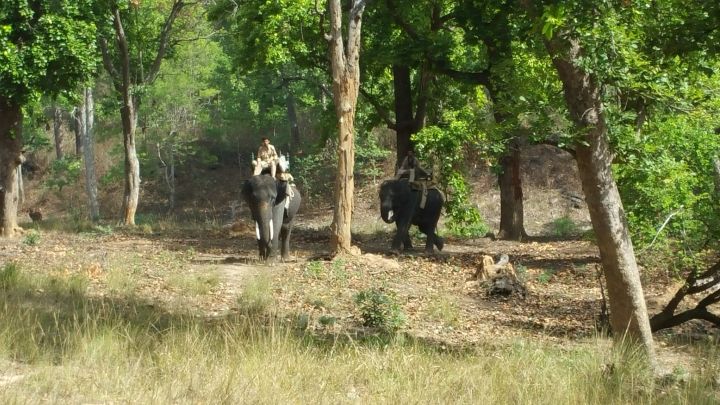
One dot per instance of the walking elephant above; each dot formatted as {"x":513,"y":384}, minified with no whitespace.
{"x":272,"y":214}
{"x":400,"y":202}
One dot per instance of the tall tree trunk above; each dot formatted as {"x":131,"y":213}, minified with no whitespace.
{"x":628,"y":313}
{"x":78,"y":127}
{"x":131,"y":195}
{"x":404,"y":120}
{"x":512,"y":218}
{"x":87,"y":124}
{"x":345,"y":63}
{"x":10,"y":159}
{"x":293,"y":120}
{"x":127,"y":114}
{"x":57,"y":131}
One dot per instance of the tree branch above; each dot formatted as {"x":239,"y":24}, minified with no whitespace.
{"x":164,"y":39}
{"x":409,"y":30}
{"x":382,"y":112}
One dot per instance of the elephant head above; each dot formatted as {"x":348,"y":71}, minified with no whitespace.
{"x":394,"y":194}
{"x":260,"y":193}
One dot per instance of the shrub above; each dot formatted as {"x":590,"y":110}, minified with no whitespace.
{"x":564,"y":227}
{"x":32,"y":238}
{"x":379,"y":309}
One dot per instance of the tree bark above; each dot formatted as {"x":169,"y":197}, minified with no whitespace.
{"x":57,"y":131}
{"x":127,"y":114}
{"x":404,"y":122}
{"x":628,"y":313}
{"x":295,"y":141}
{"x":78,"y":127}
{"x":512,"y":217}
{"x":345,"y":63}
{"x":87,"y":124}
{"x":10,"y":159}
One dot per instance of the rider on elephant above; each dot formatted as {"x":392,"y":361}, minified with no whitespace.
{"x":411,"y":168}
{"x":267,"y":157}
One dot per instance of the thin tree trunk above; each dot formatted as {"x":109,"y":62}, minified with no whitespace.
{"x":57,"y":131}
{"x":79,"y":127}
{"x":404,"y":121}
{"x":132,"y":164}
{"x":295,"y":141}
{"x":87,"y":123}
{"x":346,"y":79}
{"x":21,"y":186}
{"x":127,"y":113}
{"x":10,"y":159}
{"x":511,"y":195}
{"x":628,"y":313}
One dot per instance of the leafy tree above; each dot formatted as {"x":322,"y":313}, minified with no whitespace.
{"x":46,"y":47}
{"x":133,"y":48}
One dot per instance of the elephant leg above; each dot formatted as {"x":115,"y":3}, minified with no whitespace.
{"x":432,"y":238}
{"x":408,"y":241}
{"x":262,"y":249}
{"x":402,"y":237}
{"x":439,"y":242}
{"x":285,"y":232}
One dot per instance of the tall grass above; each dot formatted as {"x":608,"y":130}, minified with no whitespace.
{"x":76,"y":349}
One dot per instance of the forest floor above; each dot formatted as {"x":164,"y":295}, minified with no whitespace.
{"x":206,"y":269}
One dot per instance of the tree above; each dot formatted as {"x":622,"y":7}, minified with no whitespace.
{"x":582,"y":91}
{"x":86,"y":126}
{"x":345,"y":63}
{"x":45,"y":47}
{"x":134,"y":30}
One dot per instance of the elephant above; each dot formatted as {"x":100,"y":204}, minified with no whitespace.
{"x":265,"y":196}
{"x":400,"y":203}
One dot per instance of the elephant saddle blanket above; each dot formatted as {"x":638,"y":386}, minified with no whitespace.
{"x":423,"y":186}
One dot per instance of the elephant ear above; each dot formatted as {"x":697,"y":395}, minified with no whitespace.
{"x":246,"y":190}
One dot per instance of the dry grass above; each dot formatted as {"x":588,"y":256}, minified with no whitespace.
{"x":67,"y":347}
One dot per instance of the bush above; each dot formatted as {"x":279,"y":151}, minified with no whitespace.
{"x":32,"y":238}
{"x":564,"y":227}
{"x":380,"y":310}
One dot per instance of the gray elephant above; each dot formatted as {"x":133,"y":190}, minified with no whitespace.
{"x":273,"y":216}
{"x":400,"y":202}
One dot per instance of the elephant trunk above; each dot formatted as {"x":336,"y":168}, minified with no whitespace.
{"x":264,"y":226}
{"x":387,"y":213}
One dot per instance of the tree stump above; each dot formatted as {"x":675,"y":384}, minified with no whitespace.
{"x":499,"y":278}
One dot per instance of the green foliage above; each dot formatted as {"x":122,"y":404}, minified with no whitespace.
{"x":45,"y":47}
{"x":449,"y":147}
{"x":314,"y":269}
{"x":666,"y":174}
{"x":369,"y":157}
{"x":314,"y":172}
{"x":546,"y":275}
{"x":379,"y":309}
{"x":32,"y":238}
{"x":64,"y":172}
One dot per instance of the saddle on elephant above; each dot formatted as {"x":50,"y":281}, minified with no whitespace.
{"x":424,"y":185}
